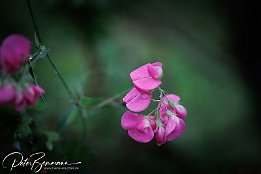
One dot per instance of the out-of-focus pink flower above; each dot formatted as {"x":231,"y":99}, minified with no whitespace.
{"x":7,"y":94}
{"x":28,"y":97}
{"x":147,"y":76}
{"x":137,"y":100}
{"x":170,"y":102}
{"x":19,"y":101}
{"x":32,"y":94}
{"x":139,"y":127}
{"x":14,"y":51}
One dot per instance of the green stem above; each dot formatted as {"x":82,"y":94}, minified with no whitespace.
{"x":33,"y":20}
{"x":48,"y":56}
{"x":111,"y":99}
{"x":56,"y":71}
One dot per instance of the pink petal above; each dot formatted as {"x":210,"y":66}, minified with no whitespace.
{"x":140,"y":73}
{"x":130,"y":120}
{"x":38,"y":89}
{"x":29,"y":95}
{"x":157,"y":64}
{"x":172,"y":97}
{"x":181,"y":111}
{"x":32,"y":94}
{"x":143,"y":125}
{"x":163,"y":113}
{"x":178,"y":131}
{"x":7,"y":94}
{"x":170,"y":126}
{"x":137,"y":101}
{"x":153,"y":122}
{"x":164,"y":118}
{"x":147,"y":84}
{"x":160,"y":136}
{"x":130,"y":95}
{"x":19,"y":102}
{"x":13,"y":53}
{"x":155,"y":71}
{"x":142,"y":136}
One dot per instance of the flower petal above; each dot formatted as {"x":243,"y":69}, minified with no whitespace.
{"x":137,"y":101}
{"x":142,"y":136}
{"x":155,"y":71}
{"x":7,"y":94}
{"x":181,"y":111}
{"x":141,"y":72}
{"x":170,"y":126}
{"x":130,"y":95}
{"x":147,"y":84}
{"x":157,"y":64}
{"x":160,"y":136}
{"x":130,"y":120}
{"x":172,"y":97}
{"x":178,"y":131}
{"x":14,"y":51}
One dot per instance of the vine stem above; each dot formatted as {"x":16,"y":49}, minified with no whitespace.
{"x":38,"y":35}
{"x":111,"y":99}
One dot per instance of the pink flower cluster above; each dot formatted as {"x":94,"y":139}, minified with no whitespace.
{"x":167,"y":121}
{"x":20,"y":99}
{"x":14,"y":51}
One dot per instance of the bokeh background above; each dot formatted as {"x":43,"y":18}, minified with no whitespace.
{"x":209,"y":49}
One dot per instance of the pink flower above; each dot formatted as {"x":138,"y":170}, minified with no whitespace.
{"x":171,"y":115}
{"x":178,"y":129}
{"x":32,"y":94}
{"x":139,"y":127}
{"x":137,"y":100}
{"x":14,"y":51}
{"x":147,"y":77}
{"x":168,"y":123}
{"x":7,"y":94}
{"x":28,"y":97}
{"x":170,"y":131}
{"x":170,"y":102}
{"x":19,"y":101}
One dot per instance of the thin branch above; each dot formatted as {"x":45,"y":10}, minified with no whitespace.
{"x":110,"y":100}
{"x":48,"y":56}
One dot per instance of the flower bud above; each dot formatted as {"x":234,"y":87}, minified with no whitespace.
{"x":181,"y":111}
{"x":32,"y":94}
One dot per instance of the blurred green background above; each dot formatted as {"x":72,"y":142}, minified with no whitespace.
{"x":208,"y":52}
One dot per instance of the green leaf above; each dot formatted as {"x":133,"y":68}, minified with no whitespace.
{"x":51,"y":138}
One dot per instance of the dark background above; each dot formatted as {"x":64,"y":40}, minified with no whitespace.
{"x":209,"y":49}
